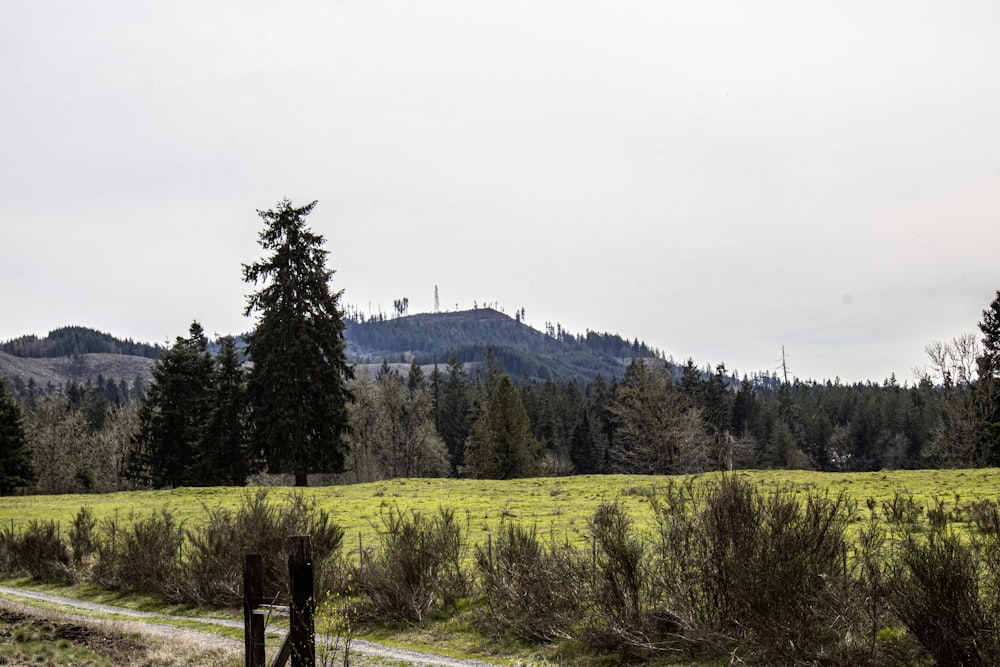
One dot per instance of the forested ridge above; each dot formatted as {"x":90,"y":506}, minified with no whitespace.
{"x":522,"y":352}
{"x":67,"y":341}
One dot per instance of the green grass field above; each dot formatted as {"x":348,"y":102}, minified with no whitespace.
{"x":561,"y":506}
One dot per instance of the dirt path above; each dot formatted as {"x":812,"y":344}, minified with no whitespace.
{"x":148,"y":622}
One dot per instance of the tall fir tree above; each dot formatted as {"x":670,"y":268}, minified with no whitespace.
{"x":16,"y":469}
{"x":299,"y":382}
{"x":223,"y":457}
{"x":501,"y":445}
{"x":987,"y":387}
{"x":453,"y":412}
{"x":174,"y":413}
{"x":592,"y":435}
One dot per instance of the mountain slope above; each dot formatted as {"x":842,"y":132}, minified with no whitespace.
{"x":76,"y":368}
{"x":523,"y":352}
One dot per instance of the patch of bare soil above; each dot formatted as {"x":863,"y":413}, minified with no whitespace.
{"x":118,"y":649}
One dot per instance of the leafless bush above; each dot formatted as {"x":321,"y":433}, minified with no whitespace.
{"x":214,"y":551}
{"x":141,"y":555}
{"x":986,"y":516}
{"x":902,"y":509}
{"x":532,"y":591}
{"x":747,"y":571}
{"x":625,"y":614}
{"x":937,"y":592}
{"x":416,"y":569}
{"x":38,"y":551}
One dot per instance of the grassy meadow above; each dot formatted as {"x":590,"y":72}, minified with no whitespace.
{"x":557,"y":506}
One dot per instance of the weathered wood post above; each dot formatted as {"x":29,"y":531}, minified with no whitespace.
{"x":253,"y":596}
{"x":302,"y":603}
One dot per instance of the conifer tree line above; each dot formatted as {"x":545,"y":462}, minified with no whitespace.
{"x":290,"y":403}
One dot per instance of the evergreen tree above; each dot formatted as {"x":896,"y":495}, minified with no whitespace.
{"x":174,"y":413}
{"x":453,"y":412}
{"x":501,"y":445}
{"x":592,"y":435}
{"x":415,"y":378}
{"x":780,"y":451}
{"x":15,"y":457}
{"x":298,"y":385}
{"x":988,"y":385}
{"x":223,"y":456}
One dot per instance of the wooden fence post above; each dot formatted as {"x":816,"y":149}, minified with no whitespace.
{"x":300,"y":577}
{"x":253,"y":595}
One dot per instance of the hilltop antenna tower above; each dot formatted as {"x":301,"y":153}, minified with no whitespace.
{"x":437,"y":302}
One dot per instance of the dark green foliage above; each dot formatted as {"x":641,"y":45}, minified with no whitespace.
{"x":16,"y":469}
{"x":501,"y":445}
{"x":82,"y":535}
{"x":417,"y":568}
{"x":987,"y":388}
{"x":174,"y":415}
{"x":453,"y":411}
{"x":69,"y":341}
{"x":298,"y":383}
{"x":591,"y":455}
{"x":223,"y":456}
{"x":415,"y":377}
{"x":468,"y":336}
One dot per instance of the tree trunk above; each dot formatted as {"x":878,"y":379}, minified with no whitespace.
{"x":301,"y":479}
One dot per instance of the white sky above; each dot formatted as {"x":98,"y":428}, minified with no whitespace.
{"x":716,"y":178}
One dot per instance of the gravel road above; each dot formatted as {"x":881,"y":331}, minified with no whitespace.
{"x":147,"y":621}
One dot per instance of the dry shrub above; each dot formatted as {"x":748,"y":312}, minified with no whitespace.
{"x":944,"y":590}
{"x":38,"y":551}
{"x":744,"y":571}
{"x":141,"y":555}
{"x":625,"y":614}
{"x":985,"y":514}
{"x":532,"y":591}
{"x":214,"y":552}
{"x":416,"y":568}
{"x":902,"y":509}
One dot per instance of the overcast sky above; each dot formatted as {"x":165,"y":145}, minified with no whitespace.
{"x":719,"y":179}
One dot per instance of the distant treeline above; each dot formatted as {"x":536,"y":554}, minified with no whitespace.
{"x":98,"y":391}
{"x":68,"y":341}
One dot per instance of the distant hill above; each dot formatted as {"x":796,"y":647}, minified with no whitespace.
{"x":74,"y":354}
{"x":522,"y":351}
{"x":78,"y":354}
{"x":68,"y":341}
